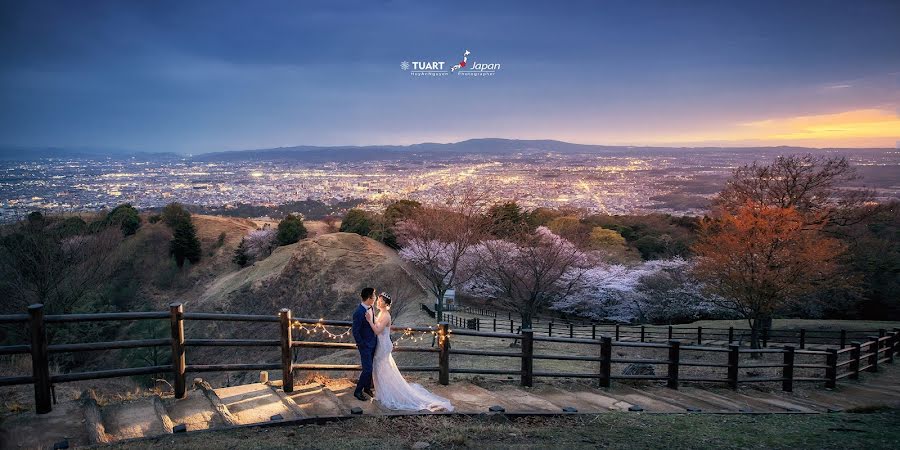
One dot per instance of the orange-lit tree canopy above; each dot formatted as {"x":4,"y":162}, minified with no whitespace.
{"x":758,"y":257}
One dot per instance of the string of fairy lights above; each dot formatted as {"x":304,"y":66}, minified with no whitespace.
{"x":407,"y":335}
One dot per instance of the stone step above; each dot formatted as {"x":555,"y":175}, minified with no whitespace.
{"x":887,"y":394}
{"x":639,"y":398}
{"x":756,"y":400}
{"x":29,"y":430}
{"x":524,"y":400}
{"x":601,"y":397}
{"x":682,"y":401}
{"x":802,"y":398}
{"x":133,"y":419}
{"x":254,"y":403}
{"x":342,"y":390}
{"x":195,"y":411}
{"x":583,"y":401}
{"x":315,"y":400}
{"x":93,"y":420}
{"x":470,"y":398}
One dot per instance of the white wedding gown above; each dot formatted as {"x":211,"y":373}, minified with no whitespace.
{"x":392,"y":390}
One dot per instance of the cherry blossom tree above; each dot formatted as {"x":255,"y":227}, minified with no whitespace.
{"x":658,"y":291}
{"x":529,"y":273}
{"x":437,"y":240}
{"x":608,"y":292}
{"x":256,"y":246}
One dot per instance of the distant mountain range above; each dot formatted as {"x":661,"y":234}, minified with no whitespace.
{"x":428,"y":150}
{"x":32,"y":153}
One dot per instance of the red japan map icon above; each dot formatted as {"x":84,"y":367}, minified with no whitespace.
{"x":461,"y":63}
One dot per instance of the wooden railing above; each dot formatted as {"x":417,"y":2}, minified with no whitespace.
{"x":661,"y":333}
{"x":829,"y":366}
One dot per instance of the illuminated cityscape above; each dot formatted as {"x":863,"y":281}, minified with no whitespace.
{"x":678,"y":181}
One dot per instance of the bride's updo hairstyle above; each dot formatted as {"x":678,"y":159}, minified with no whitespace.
{"x":386,"y":299}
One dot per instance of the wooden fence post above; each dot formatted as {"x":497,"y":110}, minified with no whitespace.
{"x":511,"y":325}
{"x":287,"y":359}
{"x":802,"y":338}
{"x":854,"y":361}
{"x":670,"y":332}
{"x":730,"y":334}
{"x":843,"y":339}
{"x":40,"y":361}
{"x":605,"y":361}
{"x":896,"y":340}
{"x":571,"y":330}
{"x":495,"y":325}
{"x":444,"y":354}
{"x":733,"y":358}
{"x":527,"y":357}
{"x":787,"y":372}
{"x":593,"y":331}
{"x":700,"y":335}
{"x":642,"y":333}
{"x":765,"y":337}
{"x":831,"y":370}
{"x":891,"y":342}
{"x":176,"y":320}
{"x":550,"y":329}
{"x":674,"y":350}
{"x":617,"y":332}
{"x":873,"y":360}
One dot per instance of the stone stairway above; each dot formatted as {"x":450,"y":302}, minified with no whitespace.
{"x":84,"y":422}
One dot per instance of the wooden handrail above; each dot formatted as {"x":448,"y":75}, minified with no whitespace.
{"x":232,"y":342}
{"x":63,"y":318}
{"x":230,"y":317}
{"x":111,"y":345}
{"x":13,"y":318}
{"x":878,"y":350}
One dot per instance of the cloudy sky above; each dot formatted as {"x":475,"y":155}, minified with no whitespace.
{"x":196,"y":76}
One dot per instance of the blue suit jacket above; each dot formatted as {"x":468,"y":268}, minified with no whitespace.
{"x":362,"y":331}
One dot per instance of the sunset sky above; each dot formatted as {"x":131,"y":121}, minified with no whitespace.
{"x":190,"y":76}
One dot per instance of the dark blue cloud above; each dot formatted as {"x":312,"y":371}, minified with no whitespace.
{"x":208,"y":75}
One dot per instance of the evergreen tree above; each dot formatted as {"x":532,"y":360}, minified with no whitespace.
{"x":126,"y":217}
{"x":240,"y":254}
{"x":185,"y":244}
{"x":356,"y":221}
{"x":507,"y":220}
{"x":174,"y":213}
{"x":291,"y":230}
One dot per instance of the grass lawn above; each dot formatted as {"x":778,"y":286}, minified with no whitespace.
{"x":614,"y":430}
{"x":809,"y":324}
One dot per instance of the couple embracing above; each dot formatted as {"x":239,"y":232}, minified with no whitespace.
{"x":379,"y":371}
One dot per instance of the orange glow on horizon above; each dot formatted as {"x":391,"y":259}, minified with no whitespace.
{"x":856,"y":128}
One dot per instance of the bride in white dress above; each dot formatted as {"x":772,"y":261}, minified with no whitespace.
{"x":391,"y":389}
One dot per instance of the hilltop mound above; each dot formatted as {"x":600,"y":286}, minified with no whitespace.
{"x":316,"y":277}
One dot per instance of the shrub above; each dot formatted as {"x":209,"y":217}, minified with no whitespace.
{"x":291,"y":230}
{"x":125,"y":217}
{"x":356,"y":221}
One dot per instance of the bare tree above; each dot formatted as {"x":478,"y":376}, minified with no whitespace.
{"x":405,"y":293}
{"x":437,"y":239}
{"x":330,"y":223}
{"x":38,"y":265}
{"x":532,"y":272}
{"x":810,"y":184}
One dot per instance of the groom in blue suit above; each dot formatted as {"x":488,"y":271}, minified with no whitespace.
{"x":365,"y":341}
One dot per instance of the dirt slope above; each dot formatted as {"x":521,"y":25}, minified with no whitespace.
{"x":316,"y":277}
